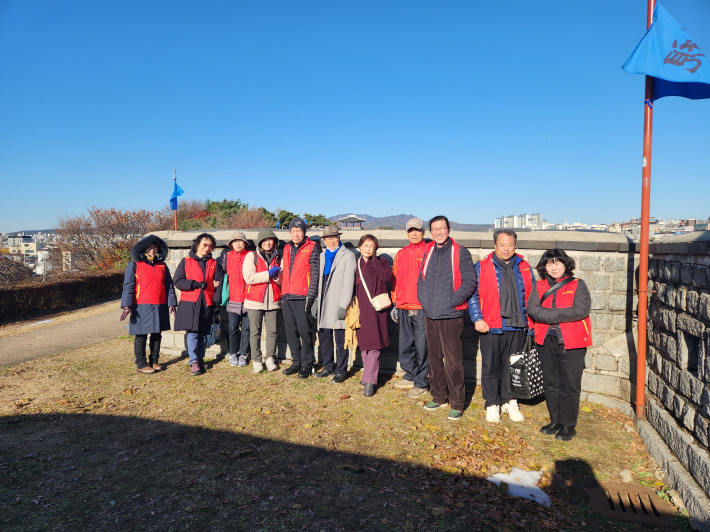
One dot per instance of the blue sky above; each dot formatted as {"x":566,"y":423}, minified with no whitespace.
{"x":469,"y":109}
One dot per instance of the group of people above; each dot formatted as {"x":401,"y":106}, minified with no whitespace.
{"x":347,"y":300}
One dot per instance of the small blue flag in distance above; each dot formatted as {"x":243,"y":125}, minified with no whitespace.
{"x":278,"y":224}
{"x":673,"y":58}
{"x":177,"y":191}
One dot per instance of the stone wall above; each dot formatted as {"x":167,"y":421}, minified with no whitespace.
{"x":678,"y":356}
{"x":605,"y":261}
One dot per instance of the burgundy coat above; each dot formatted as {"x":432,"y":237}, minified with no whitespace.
{"x":372,"y":333}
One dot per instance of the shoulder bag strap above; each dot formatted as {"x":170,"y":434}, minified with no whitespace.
{"x":555,"y":288}
{"x":364,"y":284}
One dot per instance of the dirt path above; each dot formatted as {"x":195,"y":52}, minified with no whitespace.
{"x":88,"y":327}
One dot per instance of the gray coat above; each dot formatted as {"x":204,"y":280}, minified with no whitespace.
{"x":338,"y":291}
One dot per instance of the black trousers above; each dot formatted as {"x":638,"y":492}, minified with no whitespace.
{"x":495,"y":367}
{"x":413,"y":353}
{"x":562,"y":380}
{"x":328,"y":349}
{"x":299,"y":332}
{"x":446,"y":378}
{"x":238,"y":339}
{"x":139,"y":345}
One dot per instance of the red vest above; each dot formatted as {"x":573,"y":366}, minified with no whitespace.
{"x":489,"y":292}
{"x":257,"y":292}
{"x":575,"y":334}
{"x":150,"y":283}
{"x":194,"y":273}
{"x":405,"y":272}
{"x":454,"y":265}
{"x":237,"y":286}
{"x":298,"y":280}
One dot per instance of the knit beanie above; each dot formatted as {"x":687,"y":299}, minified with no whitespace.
{"x":297,"y":222}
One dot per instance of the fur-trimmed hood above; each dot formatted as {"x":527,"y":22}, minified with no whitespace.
{"x":146,"y":241}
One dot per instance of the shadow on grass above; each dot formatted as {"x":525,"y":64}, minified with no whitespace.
{"x":100,"y":472}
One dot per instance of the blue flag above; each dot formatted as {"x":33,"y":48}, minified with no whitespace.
{"x":177,"y":191}
{"x":669,"y":54}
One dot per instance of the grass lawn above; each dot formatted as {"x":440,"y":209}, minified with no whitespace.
{"x":86,"y":443}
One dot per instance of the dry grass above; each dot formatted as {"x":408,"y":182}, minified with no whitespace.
{"x":88,"y":444}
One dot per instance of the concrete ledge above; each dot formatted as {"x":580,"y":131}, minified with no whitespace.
{"x":694,"y":498}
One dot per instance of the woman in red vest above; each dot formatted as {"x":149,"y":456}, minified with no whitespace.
{"x":262,"y":273}
{"x":197,"y":277}
{"x":148,"y":293}
{"x":559,"y":307}
{"x":233,"y":290}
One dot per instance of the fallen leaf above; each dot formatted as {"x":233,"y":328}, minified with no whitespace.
{"x":296,"y":506}
{"x":343,"y":397}
{"x":450,"y":470}
{"x":585,"y":409}
{"x":267,"y":412}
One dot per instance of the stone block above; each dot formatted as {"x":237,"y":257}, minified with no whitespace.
{"x":699,"y":466}
{"x":652,"y":268}
{"x":625,"y":366}
{"x":605,"y":384}
{"x":692,"y":301}
{"x":675,"y":272}
{"x":620,"y":322}
{"x":601,"y":281}
{"x":652,"y":382}
{"x":671,"y":292}
{"x":614,"y":264}
{"x":687,"y":417}
{"x":617,"y":302}
{"x":602,"y":320}
{"x":598,"y":301}
{"x":704,"y":305}
{"x":686,"y":273}
{"x":589,"y":263}
{"x":702,"y":426}
{"x":700,"y":276}
{"x":599,"y":338}
{"x":684,"y":384}
{"x":606,"y":362}
{"x":668,"y":345}
{"x":675,"y":377}
{"x":681,"y":297}
{"x":696,"y":390}
{"x":667,"y":318}
{"x":588,"y":360}
{"x":690,"y":325}
{"x":661,"y":291}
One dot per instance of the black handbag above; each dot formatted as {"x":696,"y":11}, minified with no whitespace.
{"x":526,"y":372}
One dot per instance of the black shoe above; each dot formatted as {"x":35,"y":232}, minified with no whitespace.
{"x":292,"y":369}
{"x":362,"y":383}
{"x":552,"y":428}
{"x":369,"y":390}
{"x":322,"y":374}
{"x":339,"y":379}
{"x":304,"y":373}
{"x":566,"y":434}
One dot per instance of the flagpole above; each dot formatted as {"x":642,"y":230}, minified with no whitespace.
{"x":174,"y":182}
{"x":643,"y":252}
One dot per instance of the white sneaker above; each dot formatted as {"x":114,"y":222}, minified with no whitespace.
{"x":270,"y":364}
{"x":258,"y":367}
{"x":233,"y":360}
{"x":513,"y":411}
{"x":493,"y":414}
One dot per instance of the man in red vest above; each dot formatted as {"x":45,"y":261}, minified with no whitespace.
{"x":407,"y":312}
{"x":234,"y":288}
{"x":299,"y":289}
{"x":498,"y":311}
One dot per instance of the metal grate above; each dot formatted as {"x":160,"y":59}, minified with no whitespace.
{"x":630,"y":503}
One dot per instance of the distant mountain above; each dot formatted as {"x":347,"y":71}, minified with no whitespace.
{"x":399,"y":221}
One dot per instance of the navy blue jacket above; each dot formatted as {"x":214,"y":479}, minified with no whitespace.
{"x":474,"y":303}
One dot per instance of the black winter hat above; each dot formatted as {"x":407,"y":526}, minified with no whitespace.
{"x":297,"y":222}
{"x":146,"y":241}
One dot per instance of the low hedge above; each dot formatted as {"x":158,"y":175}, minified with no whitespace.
{"x":28,"y":299}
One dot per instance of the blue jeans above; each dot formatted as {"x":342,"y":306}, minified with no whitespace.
{"x":238,"y":339}
{"x":196,"y":345}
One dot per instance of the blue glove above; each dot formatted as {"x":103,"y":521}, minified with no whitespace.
{"x":274,"y":271}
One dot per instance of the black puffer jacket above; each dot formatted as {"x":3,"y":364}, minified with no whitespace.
{"x":314,"y":262}
{"x":196,"y":316}
{"x":436,"y":292}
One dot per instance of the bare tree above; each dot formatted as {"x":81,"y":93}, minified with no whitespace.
{"x":13,"y":271}
{"x":103,"y":238}
{"x":249,"y":218}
